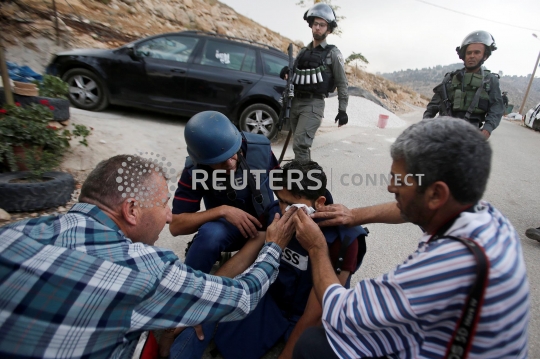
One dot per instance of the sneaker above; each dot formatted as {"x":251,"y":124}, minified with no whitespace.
{"x":188,"y":247}
{"x":533,"y":233}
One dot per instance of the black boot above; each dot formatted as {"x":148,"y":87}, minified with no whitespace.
{"x":533,"y":233}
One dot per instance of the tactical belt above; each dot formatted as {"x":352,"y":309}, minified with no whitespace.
{"x":309,"y":95}
{"x":461,"y":341}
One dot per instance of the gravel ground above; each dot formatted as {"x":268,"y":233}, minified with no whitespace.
{"x":361,"y":112}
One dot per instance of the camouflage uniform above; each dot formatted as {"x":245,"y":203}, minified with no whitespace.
{"x":461,"y":87}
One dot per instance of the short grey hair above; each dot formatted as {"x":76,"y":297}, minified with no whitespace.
{"x":120,"y":177}
{"x":449,"y":150}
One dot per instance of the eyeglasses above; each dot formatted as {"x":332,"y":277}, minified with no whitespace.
{"x":322,"y":25}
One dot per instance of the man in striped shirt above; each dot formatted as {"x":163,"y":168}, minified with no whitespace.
{"x":439,"y":173}
{"x":87,"y":284}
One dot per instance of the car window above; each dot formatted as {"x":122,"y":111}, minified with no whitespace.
{"x":229,"y":56}
{"x":174,"y":48}
{"x":250,"y":61}
{"x":273,"y":64}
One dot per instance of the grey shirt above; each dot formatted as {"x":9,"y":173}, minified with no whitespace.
{"x":336,"y":63}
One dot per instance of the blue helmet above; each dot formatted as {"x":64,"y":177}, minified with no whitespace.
{"x":211,"y":138}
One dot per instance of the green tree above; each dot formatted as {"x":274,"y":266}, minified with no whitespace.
{"x":355,"y":58}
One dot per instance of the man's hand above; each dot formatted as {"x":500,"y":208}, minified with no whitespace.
{"x":167,"y":338}
{"x":334,"y":215}
{"x":308,"y":233}
{"x":245,"y":222}
{"x":284,"y":73}
{"x":342,"y":117}
{"x":485,"y":133}
{"x":282,"y":229}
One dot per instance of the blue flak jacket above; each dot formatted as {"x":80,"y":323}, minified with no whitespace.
{"x":294,"y":282}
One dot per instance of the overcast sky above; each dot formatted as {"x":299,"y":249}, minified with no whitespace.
{"x":408,"y":34}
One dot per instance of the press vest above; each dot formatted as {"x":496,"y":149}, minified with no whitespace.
{"x":311,"y":73}
{"x":257,"y":154}
{"x":462,"y":88}
{"x":291,"y":289}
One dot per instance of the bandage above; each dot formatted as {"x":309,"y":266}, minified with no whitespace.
{"x":308,"y":210}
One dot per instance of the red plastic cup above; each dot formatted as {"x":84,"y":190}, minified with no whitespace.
{"x":383,"y":120}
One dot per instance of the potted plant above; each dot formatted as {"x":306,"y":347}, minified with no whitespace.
{"x":31,"y":149}
{"x":51,"y":89}
{"x":55,"y":90}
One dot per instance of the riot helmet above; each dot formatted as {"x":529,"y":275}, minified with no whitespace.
{"x":322,"y":11}
{"x":211,"y":138}
{"x":477,"y":37}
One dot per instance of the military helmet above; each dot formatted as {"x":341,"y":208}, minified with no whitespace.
{"x":323,"y":11}
{"x":211,"y":138}
{"x":477,"y":37}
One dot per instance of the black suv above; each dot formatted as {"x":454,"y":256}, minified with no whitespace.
{"x":182,"y":73}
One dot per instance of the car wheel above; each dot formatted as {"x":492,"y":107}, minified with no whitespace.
{"x":259,"y":118}
{"x":86,"y":90}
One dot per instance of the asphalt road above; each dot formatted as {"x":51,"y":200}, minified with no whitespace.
{"x":362,"y":148}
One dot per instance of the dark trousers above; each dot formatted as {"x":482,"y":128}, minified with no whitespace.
{"x":313,"y":344}
{"x":212,"y":239}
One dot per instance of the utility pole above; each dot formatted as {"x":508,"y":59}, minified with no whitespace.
{"x":56,"y":22}
{"x":530,"y":82}
{"x":5,"y":76}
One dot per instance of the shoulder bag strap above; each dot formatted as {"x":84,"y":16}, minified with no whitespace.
{"x":461,"y":341}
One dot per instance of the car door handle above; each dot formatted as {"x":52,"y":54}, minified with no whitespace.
{"x":244,"y":81}
{"x":180,"y":71}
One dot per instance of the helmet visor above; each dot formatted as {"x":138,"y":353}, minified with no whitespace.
{"x":478,"y":37}
{"x":323,"y":11}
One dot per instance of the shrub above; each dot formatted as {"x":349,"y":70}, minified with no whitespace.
{"x":53,"y":87}
{"x":28,"y":127}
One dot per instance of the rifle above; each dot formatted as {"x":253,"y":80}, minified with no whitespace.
{"x":286,"y":101}
{"x":446,"y":101}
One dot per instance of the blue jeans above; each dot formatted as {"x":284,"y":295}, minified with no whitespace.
{"x":249,"y":338}
{"x":188,"y":346}
{"x":212,"y":239}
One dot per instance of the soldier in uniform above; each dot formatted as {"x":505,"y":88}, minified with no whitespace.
{"x":318,"y":70}
{"x":505,"y":101}
{"x":472,"y":93}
